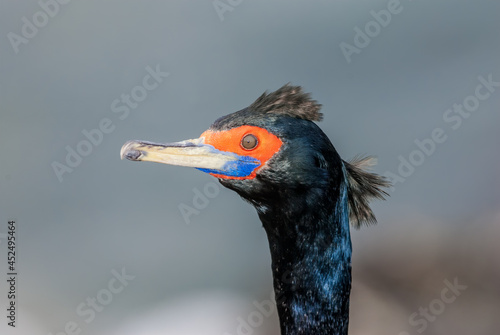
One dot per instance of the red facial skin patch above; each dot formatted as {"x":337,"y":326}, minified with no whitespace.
{"x":230,"y":140}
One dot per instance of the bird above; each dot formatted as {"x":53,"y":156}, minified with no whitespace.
{"x":274,"y":155}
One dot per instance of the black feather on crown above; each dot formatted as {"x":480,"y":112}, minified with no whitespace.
{"x":288,"y":100}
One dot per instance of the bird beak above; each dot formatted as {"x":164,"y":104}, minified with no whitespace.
{"x":192,"y":153}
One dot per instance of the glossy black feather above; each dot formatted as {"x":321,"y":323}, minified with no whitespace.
{"x":305,"y":196}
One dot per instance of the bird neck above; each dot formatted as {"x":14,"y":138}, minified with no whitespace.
{"x":311,"y":261}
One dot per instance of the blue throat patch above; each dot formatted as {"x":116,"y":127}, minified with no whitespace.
{"x":242,"y":167}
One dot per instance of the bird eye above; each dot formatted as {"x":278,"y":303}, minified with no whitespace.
{"x":249,"y":142}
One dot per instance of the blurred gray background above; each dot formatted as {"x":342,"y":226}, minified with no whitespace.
{"x":63,"y":65}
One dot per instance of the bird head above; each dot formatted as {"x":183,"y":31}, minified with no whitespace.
{"x":268,"y":153}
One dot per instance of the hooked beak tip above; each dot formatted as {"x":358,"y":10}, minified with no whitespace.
{"x":129,"y":152}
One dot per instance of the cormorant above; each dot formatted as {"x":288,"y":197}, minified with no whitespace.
{"x":275,"y":157}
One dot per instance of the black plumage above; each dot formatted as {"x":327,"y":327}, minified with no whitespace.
{"x":305,"y":196}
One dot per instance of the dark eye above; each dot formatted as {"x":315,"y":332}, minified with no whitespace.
{"x":249,"y":142}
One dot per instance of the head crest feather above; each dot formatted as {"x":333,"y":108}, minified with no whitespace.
{"x":288,"y":100}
